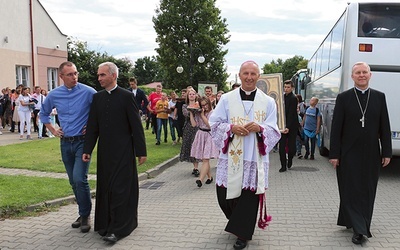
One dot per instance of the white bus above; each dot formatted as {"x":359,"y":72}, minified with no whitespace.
{"x":368,"y":32}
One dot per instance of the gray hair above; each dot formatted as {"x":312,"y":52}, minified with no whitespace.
{"x":112,"y":68}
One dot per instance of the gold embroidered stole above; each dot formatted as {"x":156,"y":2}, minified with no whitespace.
{"x":235,"y":151}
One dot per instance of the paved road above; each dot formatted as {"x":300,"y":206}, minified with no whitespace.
{"x":175,"y":214}
{"x":12,"y":138}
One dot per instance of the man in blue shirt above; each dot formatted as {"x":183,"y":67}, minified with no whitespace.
{"x":72,"y":102}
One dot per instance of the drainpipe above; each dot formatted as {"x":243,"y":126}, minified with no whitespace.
{"x":32,"y":42}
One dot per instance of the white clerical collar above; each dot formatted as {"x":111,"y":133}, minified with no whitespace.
{"x":109,"y":91}
{"x":362,"y":90}
{"x":248,"y":92}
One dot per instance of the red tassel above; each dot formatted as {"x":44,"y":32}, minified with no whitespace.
{"x":264,"y":219}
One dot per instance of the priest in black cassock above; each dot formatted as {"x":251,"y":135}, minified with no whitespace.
{"x":114,"y":120}
{"x":360,"y":146}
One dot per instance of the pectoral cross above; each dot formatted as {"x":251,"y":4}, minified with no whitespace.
{"x":362,"y":121}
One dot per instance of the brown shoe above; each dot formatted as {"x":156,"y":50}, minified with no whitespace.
{"x":85,"y":224}
{"x":76,"y":223}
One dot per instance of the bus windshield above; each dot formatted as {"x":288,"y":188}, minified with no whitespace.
{"x":379,"y":20}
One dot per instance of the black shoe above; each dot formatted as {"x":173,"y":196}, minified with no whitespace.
{"x":289,"y":163}
{"x":357,"y":238}
{"x":283,"y":169}
{"x":208,"y":181}
{"x":76,"y":223}
{"x":240,"y":244}
{"x":195,"y":172}
{"x":165,"y":140}
{"x":306,"y":156}
{"x":45,"y":135}
{"x":158,"y":143}
{"x":111,"y":238}
{"x":199,"y":184}
{"x":85,"y":224}
{"x":299,"y":156}
{"x":312,"y":157}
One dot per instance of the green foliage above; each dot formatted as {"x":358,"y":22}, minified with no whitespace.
{"x":87,"y":62}
{"x":185,"y":30}
{"x":287,"y":67}
{"x":147,"y":70}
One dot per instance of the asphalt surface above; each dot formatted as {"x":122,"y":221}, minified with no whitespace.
{"x":175,"y":214}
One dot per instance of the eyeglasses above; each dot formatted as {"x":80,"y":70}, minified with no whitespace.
{"x":71,"y":74}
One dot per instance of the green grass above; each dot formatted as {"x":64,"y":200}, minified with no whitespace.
{"x":18,"y":192}
{"x":44,"y":155}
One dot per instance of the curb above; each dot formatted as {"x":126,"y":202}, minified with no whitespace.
{"x":150,"y":174}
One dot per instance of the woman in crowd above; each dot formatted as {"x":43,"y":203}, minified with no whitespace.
{"x":219,"y":94}
{"x":24,"y":113}
{"x":16,"y":105}
{"x":189,"y":132}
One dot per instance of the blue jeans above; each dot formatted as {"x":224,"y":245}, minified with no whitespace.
{"x":172,"y":124}
{"x":77,"y":170}
{"x":299,"y":145}
{"x":307,"y":145}
{"x":163,"y":123}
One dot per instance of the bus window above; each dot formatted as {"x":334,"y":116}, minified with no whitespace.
{"x":379,"y":20}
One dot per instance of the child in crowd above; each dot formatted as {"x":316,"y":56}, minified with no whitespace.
{"x":203,"y":147}
{"x":311,"y":124}
{"x":162,"y":110}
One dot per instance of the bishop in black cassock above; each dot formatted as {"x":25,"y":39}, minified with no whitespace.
{"x":361,"y":143}
{"x":114,"y":120}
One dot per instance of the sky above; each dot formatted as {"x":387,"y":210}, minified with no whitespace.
{"x":260,"y":30}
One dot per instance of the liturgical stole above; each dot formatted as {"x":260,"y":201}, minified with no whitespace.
{"x":236,"y":146}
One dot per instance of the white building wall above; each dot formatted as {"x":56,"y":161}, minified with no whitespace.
{"x":16,"y":42}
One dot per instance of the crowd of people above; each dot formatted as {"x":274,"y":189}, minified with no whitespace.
{"x":238,"y":128}
{"x":19,"y":109}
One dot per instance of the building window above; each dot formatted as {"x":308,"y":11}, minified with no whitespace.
{"x":22,"y":75}
{"x":52,"y":79}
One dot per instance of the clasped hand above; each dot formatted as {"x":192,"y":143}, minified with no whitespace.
{"x":246,"y":129}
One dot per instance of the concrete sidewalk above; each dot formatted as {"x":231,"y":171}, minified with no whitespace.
{"x":175,"y":214}
{"x":13,"y":138}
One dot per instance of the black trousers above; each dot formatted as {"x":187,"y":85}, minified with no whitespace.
{"x":290,"y":140}
{"x":241,"y":212}
{"x":154,"y":122}
{"x":35,"y":124}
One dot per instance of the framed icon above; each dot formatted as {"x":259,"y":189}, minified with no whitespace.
{"x":272,"y":85}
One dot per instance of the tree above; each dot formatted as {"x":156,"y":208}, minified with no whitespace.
{"x":147,"y":70}
{"x":185,"y":30}
{"x":273,"y":67}
{"x":288,"y":67}
{"x":87,"y":62}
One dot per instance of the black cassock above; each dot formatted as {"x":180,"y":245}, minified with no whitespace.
{"x":360,"y":151}
{"x":114,"y":120}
